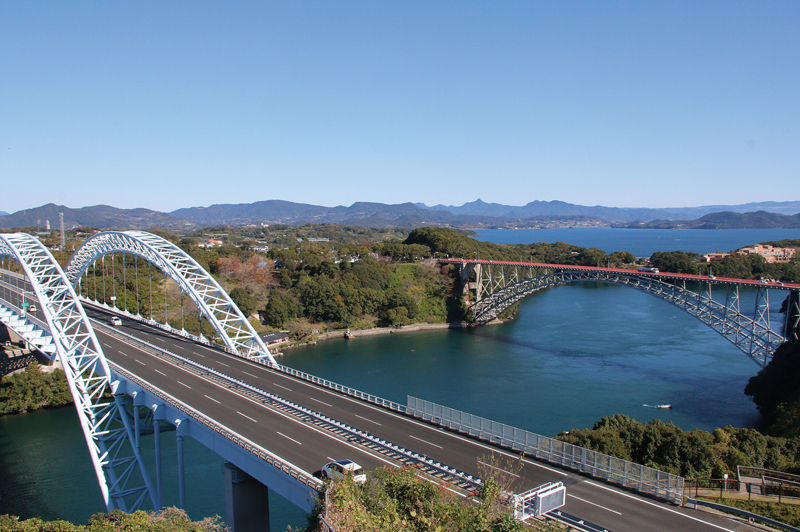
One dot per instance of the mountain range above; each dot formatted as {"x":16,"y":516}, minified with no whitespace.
{"x":476,"y":214}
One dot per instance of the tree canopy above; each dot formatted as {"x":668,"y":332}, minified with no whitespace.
{"x":694,"y":453}
{"x":776,"y":392}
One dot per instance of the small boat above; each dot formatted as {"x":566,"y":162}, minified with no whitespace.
{"x":663,"y":406}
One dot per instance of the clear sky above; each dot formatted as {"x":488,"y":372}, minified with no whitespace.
{"x":166,"y":105}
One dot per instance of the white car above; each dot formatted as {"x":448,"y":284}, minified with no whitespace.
{"x":116,"y":321}
{"x":337,"y":470}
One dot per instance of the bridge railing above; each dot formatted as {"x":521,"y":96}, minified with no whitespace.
{"x":615,"y":470}
{"x":343,"y":389}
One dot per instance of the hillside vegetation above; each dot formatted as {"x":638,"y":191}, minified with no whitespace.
{"x":168,"y":520}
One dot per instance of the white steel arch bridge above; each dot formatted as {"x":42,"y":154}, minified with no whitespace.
{"x":497,"y":285}
{"x":66,"y":334}
{"x":212,"y":301}
{"x":60,"y":330}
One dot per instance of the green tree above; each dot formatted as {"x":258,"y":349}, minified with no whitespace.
{"x":279,"y":309}
{"x":776,"y":386}
{"x":675,"y":261}
{"x":244,"y":300}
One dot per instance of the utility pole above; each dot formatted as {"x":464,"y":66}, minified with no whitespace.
{"x":63,"y":235}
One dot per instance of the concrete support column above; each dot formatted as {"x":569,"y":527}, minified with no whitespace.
{"x":182,"y":428}
{"x":136,"y":430}
{"x":246,"y":501}
{"x":157,"y":439}
{"x":181,"y":478}
{"x":478,"y":274}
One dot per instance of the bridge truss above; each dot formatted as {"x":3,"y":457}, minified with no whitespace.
{"x":211,"y":300}
{"x":499,"y":286}
{"x":105,"y":422}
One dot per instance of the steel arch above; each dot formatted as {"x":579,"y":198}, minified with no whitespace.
{"x":104,"y":422}
{"x":751,"y":336}
{"x":212,"y":301}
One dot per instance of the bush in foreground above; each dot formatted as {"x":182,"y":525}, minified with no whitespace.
{"x":400,"y":500}
{"x":168,"y":520}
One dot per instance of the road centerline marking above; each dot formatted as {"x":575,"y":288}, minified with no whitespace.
{"x":164,"y":374}
{"x":288,"y":438}
{"x":425,"y":441}
{"x":179,"y":382}
{"x":213,"y":399}
{"x":140,"y":362}
{"x":287,"y":389}
{"x":323,"y":402}
{"x":248,"y":417}
{"x":249,"y":374}
{"x":495,"y":467}
{"x":594,"y":504}
{"x":367,"y":419}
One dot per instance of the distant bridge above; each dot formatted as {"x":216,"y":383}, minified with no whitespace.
{"x":491,"y":287}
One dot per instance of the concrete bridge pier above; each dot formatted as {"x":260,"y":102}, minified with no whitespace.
{"x":466,"y":270}
{"x":246,"y":501}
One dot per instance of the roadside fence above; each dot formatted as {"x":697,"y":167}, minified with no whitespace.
{"x":643,"y":479}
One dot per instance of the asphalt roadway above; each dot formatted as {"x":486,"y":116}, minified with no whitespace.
{"x":308,"y":447}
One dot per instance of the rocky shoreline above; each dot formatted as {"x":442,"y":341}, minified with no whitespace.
{"x":353,"y":334}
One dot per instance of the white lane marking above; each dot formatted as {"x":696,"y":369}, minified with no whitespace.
{"x":121,"y":353}
{"x":495,"y":467}
{"x":323,"y":402}
{"x":365,"y":419}
{"x":164,"y":374}
{"x":425,"y":441}
{"x":214,"y":400}
{"x":198,"y":354}
{"x":223,"y":364}
{"x":248,"y":417}
{"x":160,"y":339}
{"x":331,"y":459}
{"x":179,"y":382}
{"x":288,"y":438}
{"x":593,"y":504}
{"x":140,"y":362}
{"x":249,"y":374}
{"x":656,"y":505}
{"x":288,"y":389}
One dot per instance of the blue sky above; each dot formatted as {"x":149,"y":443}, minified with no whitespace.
{"x":166,"y":105}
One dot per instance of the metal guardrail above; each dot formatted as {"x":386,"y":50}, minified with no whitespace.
{"x":374,"y":399}
{"x":767,"y":474}
{"x":743,"y":513}
{"x":239,"y":440}
{"x":615,"y":470}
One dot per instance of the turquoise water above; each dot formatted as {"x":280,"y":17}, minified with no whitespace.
{"x":574,"y":354}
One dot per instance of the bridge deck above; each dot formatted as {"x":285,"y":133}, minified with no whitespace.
{"x":309,"y":448}
{"x":661,"y":275}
